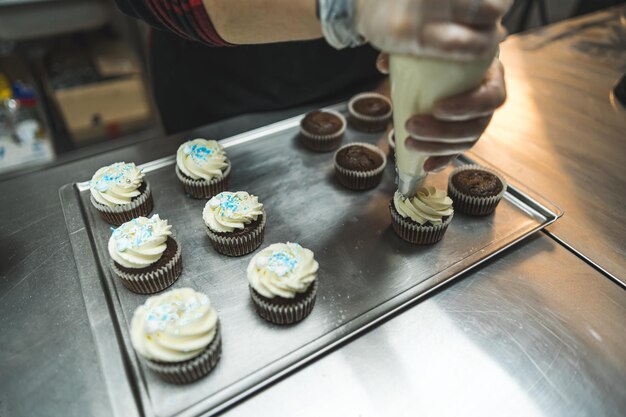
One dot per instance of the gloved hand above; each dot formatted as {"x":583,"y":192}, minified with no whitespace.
{"x":451,"y":29}
{"x":457,"y":122}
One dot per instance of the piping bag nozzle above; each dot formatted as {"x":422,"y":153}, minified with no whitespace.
{"x":408,"y":184}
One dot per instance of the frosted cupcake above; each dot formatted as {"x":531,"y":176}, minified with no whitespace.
{"x":283,"y":282}
{"x":235,"y":222}
{"x":119,"y":192}
{"x":144,"y":255}
{"x":423,"y":219}
{"x":177,"y":334}
{"x":202,"y":167}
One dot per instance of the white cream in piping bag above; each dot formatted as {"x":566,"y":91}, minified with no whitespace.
{"x":416,"y":84}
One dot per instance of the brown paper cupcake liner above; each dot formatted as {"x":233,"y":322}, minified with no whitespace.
{"x":140,"y":206}
{"x":285,"y":313}
{"x":360,"y":180}
{"x":369,"y":124}
{"x":415,"y":233}
{"x":238,"y":245}
{"x":153,"y":281}
{"x":475,"y":206}
{"x":324,"y":143}
{"x":192,"y":369}
{"x":202,"y":189}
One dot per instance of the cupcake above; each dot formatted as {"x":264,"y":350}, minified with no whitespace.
{"x":120,"y":193}
{"x":283,"y":282}
{"x":359,"y":166}
{"x":235,"y":223}
{"x":322,"y":130}
{"x":177,"y":335}
{"x":423,"y":219}
{"x":476,"y":190}
{"x":202,"y":167}
{"x":370,"y":112}
{"x":144,"y":255}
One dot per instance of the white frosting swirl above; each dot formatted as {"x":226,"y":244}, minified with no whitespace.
{"x":228,"y":211}
{"x":428,"y":205}
{"x":116,"y":184}
{"x":201,"y":159}
{"x":174,"y":326}
{"x":282,"y":270}
{"x":140,"y":242}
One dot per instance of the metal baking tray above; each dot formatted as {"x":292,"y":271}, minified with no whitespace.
{"x":366,"y":271}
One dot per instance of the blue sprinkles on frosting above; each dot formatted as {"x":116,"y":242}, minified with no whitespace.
{"x":229,"y":203}
{"x":115,"y":174}
{"x":136,"y":237}
{"x":198,"y":152}
{"x":179,"y":312}
{"x":282,"y":262}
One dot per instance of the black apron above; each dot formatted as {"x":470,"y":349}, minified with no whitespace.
{"x":196,"y":84}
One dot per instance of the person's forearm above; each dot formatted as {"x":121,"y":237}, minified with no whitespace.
{"x":263,"y":21}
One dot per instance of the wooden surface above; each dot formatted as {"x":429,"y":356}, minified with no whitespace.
{"x":559,"y":133}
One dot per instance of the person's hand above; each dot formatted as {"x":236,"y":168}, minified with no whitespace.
{"x":457,"y":122}
{"x":451,"y":29}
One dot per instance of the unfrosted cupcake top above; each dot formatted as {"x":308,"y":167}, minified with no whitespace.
{"x":116,"y":184}
{"x":174,"y":326}
{"x":229,"y":211}
{"x":140,"y":242}
{"x":282,"y":270}
{"x":428,"y":205}
{"x":477,"y":183}
{"x":201,"y":159}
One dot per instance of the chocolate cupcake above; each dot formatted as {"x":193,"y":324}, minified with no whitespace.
{"x":476,"y":190}
{"x":119,"y":192}
{"x":283,"y":282}
{"x":144,"y":255}
{"x":359,"y":166}
{"x":423,"y":219}
{"x":235,"y":223}
{"x":322,"y":130}
{"x":177,"y":335}
{"x":202,"y":167}
{"x":370,"y":112}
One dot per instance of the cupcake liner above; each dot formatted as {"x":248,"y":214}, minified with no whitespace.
{"x":391,"y":142}
{"x":153,"y":281}
{"x":284,"y":313}
{"x":238,"y":245}
{"x":203,"y":189}
{"x":140,"y":206}
{"x":324,"y":143}
{"x":360,"y":180}
{"x":369,"y":124}
{"x":192,"y":369}
{"x":414,"y":233}
{"x":475,"y":206}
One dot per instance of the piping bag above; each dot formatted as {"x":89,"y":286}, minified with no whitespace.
{"x":416,"y":84}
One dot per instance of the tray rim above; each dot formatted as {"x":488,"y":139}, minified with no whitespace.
{"x":130,"y":397}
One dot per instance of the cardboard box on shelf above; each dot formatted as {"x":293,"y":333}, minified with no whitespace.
{"x":109,"y":108}
{"x":98,"y":89}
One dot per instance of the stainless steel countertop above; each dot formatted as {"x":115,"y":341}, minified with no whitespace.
{"x":535,"y":332}
{"x":560,"y":133}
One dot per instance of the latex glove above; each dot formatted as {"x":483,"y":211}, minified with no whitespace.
{"x":451,"y":29}
{"x":457,"y":122}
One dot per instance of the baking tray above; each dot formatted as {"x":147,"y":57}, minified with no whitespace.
{"x":366,"y":272}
